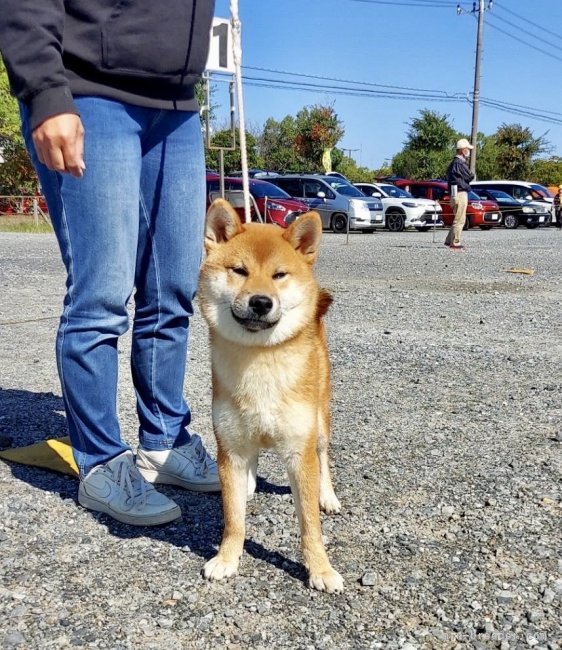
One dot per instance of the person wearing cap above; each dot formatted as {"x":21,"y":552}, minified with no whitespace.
{"x":558,"y":207}
{"x":458,"y":179}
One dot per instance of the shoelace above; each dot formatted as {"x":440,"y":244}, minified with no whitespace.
{"x":129,"y":478}
{"x":206,"y":462}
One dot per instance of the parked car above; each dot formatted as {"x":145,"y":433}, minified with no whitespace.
{"x":523,"y":192}
{"x":335,"y":199}
{"x":401,"y":209}
{"x":515,"y":214}
{"x":274,"y":205}
{"x":254,"y":173}
{"x":22,"y":204}
{"x":482,"y":213}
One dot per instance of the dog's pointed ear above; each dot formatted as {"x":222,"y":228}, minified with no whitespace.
{"x":221,"y":224}
{"x":304,"y":235}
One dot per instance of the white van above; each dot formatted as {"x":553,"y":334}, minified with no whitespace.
{"x":335,"y":199}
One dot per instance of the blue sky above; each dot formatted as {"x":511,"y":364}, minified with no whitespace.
{"x":406,"y":46}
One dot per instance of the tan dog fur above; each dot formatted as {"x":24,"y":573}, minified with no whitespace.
{"x":271,"y":375}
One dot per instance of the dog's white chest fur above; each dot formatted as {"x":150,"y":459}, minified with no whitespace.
{"x":259,"y":397}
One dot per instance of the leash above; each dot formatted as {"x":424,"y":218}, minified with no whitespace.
{"x":237,"y":57}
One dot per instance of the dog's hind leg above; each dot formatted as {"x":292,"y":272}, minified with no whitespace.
{"x":328,"y":500}
{"x":233,"y":472}
{"x":304,"y":476}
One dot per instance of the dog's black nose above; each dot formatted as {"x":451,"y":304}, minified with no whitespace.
{"x":260,"y":305}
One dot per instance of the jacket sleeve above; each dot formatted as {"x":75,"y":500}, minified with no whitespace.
{"x":31,"y":47}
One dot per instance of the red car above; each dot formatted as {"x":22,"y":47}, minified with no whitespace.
{"x":482,"y":213}
{"x":274,"y":204}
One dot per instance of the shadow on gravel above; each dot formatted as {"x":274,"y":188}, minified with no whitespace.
{"x":27,"y":417}
{"x":270,"y":488}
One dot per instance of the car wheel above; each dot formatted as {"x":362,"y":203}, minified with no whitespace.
{"x":339,"y":223}
{"x":395,"y":221}
{"x":510,"y":221}
{"x":467,"y":223}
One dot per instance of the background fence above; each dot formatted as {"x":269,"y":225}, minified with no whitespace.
{"x":35,"y":206}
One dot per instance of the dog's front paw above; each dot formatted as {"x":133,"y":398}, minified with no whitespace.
{"x":218,"y":568}
{"x":329,"y":503}
{"x":329,"y":580}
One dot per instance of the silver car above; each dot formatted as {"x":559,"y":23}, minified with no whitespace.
{"x":337,"y":201}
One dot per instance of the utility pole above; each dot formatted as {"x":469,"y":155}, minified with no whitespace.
{"x":476,"y":91}
{"x":350,"y":151}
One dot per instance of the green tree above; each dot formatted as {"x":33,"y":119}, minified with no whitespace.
{"x":232,"y":159}
{"x":319,"y":130}
{"x":517,"y":148}
{"x":17,"y":175}
{"x":277,"y":145}
{"x":546,"y":171}
{"x":350,"y":169}
{"x":429,"y":146}
{"x":486,"y":157}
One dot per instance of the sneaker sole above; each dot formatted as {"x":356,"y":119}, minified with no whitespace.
{"x":134,"y":520}
{"x":154,"y":476}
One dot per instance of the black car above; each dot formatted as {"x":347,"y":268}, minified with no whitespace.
{"x":514,"y":213}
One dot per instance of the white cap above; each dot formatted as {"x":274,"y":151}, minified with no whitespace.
{"x":463,"y":143}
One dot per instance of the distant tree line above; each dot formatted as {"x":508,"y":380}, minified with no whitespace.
{"x":308,"y":142}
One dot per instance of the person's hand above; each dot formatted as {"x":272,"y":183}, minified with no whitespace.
{"x":59,"y":142}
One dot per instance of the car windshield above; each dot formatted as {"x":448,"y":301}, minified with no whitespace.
{"x":498,"y":195}
{"x":263,"y":189}
{"x":543,"y":191}
{"x":396,"y":192}
{"x":474,"y":197}
{"x":341,"y":187}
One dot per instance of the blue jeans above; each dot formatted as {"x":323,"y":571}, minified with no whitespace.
{"x":133,"y":221}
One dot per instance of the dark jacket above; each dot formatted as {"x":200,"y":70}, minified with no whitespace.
{"x":143,"y":52}
{"x":459,"y":174}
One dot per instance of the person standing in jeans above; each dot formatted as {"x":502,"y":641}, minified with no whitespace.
{"x":109,"y":115}
{"x":458,"y":180}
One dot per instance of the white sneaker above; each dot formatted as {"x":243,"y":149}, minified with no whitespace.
{"x":118,"y":489}
{"x":188,"y":466}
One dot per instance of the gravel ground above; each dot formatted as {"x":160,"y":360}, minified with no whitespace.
{"x":446,"y":453}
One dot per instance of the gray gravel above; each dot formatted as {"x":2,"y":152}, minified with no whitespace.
{"x":447,"y":460}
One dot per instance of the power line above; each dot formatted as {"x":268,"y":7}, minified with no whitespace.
{"x":520,"y":40}
{"x":531,"y":108}
{"x":515,"y":109}
{"x":528,"y":21}
{"x":520,"y":29}
{"x":349,"y":81}
{"x":435,"y":4}
{"x":347,"y":90}
{"x":364,"y":90}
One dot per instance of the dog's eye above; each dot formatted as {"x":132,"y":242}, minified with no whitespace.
{"x":239,"y":270}
{"x":279,"y":275}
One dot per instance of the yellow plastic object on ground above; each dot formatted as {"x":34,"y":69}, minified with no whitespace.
{"x":54,"y":454}
{"x":522,"y":271}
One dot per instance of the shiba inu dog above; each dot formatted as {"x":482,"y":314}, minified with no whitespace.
{"x":271,"y":375}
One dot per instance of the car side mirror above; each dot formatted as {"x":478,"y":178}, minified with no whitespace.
{"x":377,"y":195}
{"x":321,"y":195}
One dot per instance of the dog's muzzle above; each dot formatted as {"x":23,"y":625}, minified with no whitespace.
{"x":256,"y":315}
